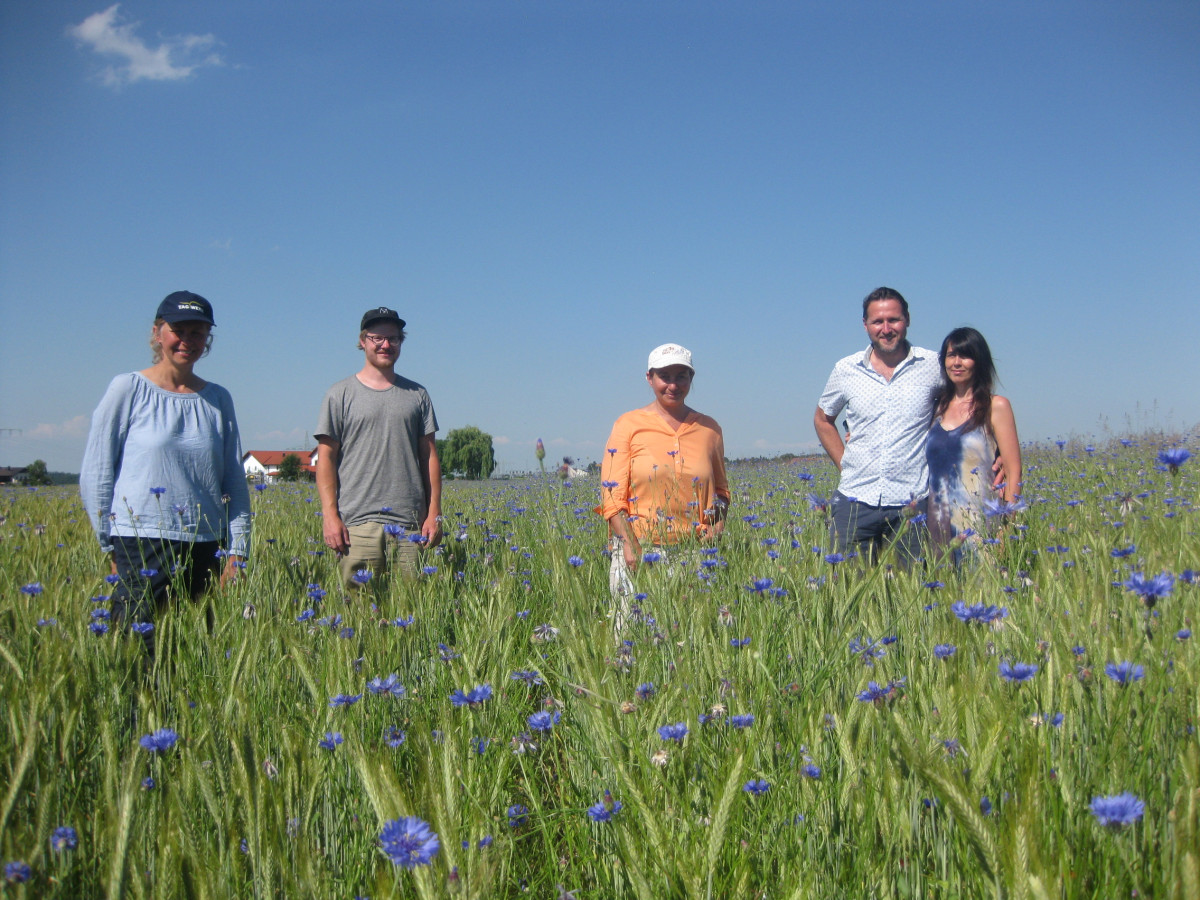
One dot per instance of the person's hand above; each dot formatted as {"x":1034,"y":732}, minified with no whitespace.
{"x":1001,"y":475}
{"x":431,"y":530}
{"x":232,"y":570}
{"x":632,"y":552}
{"x":337,"y":535}
{"x":112,"y":564}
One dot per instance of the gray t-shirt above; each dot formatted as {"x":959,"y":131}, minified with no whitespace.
{"x":379,"y":466}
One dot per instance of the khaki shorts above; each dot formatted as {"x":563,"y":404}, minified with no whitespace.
{"x":375,"y":551}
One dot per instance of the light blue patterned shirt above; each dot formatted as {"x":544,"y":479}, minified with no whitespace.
{"x":884,"y":463}
{"x":144,"y":439}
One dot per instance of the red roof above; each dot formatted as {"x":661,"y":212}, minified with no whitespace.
{"x":274,"y":458}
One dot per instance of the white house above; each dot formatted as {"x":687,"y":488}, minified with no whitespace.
{"x":262,"y":466}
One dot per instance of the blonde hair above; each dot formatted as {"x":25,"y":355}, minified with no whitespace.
{"x":156,"y":353}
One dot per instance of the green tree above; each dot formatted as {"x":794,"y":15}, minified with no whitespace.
{"x":469,"y":451}
{"x":289,"y":468}
{"x":35,"y":472}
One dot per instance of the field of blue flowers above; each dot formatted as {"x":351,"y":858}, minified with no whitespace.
{"x":775,"y":721}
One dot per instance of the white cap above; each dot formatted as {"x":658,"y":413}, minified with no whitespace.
{"x":670,"y":355}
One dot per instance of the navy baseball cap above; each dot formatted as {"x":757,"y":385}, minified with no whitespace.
{"x":184,"y":306}
{"x":380,"y":314}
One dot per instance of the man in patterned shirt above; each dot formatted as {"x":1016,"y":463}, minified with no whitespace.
{"x":888,"y":394}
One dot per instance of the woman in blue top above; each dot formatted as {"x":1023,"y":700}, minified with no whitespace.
{"x":162,"y":478}
{"x":970,"y":426}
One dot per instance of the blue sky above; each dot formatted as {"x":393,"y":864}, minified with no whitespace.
{"x":547,"y":190}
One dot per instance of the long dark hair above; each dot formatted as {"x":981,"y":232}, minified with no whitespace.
{"x":969,"y":343}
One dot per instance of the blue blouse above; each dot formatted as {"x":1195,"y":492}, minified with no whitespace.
{"x":162,"y":465}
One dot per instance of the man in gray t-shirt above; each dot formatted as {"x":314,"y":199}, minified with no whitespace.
{"x":378,"y":473}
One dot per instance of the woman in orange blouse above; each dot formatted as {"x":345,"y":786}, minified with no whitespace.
{"x":663,"y":472}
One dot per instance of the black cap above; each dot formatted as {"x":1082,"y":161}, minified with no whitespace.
{"x":184,"y":306}
{"x":380,"y":314}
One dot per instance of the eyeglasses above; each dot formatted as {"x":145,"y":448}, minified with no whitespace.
{"x":378,"y":340}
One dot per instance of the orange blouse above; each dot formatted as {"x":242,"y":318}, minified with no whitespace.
{"x":664,"y":481}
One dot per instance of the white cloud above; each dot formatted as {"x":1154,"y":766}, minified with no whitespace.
{"x":72,"y":428}
{"x":172,"y":59}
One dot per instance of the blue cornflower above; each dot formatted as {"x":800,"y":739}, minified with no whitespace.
{"x":393,"y":530}
{"x":98,"y":628}
{"x":760,"y":584}
{"x":344,"y":700}
{"x":952,"y":747}
{"x":575,"y":561}
{"x":157,"y":741}
{"x":651,"y":557}
{"x":386,"y":687}
{"x":979,"y":612}
{"x":531,"y":678}
{"x":756,"y":787}
{"x":985,"y":806}
{"x":645,"y":691}
{"x":542,"y":721}
{"x":934,"y":585}
{"x":101,"y":614}
{"x":409,"y":842}
{"x":1079,"y":650}
{"x":158,"y":491}
{"x":518,"y":815}
{"x":306,"y":615}
{"x":876,"y":693}
{"x":479,"y":744}
{"x":446,"y":653}
{"x":147,"y":783}
{"x":1122,"y":552}
{"x":141,"y":627}
{"x":811,"y":771}
{"x":741,"y":721}
{"x":1174,"y":458}
{"x":474,"y":697}
{"x":32,"y":589}
{"x":1150,"y":589}
{"x":676,"y":732}
{"x":45,"y":623}
{"x":393,"y":737}
{"x":111,"y":579}
{"x":605,"y":809}
{"x":834,"y":558}
{"x":331,"y":740}
{"x":1117,"y":811}
{"x":402,"y":621}
{"x":485,"y":842}
{"x":944,"y":651}
{"x":1183,"y":634}
{"x":1017,"y":672}
{"x":362,"y":576}
{"x":63,"y":838}
{"x":1124,"y":673}
{"x":739,"y":642}
{"x":16,"y":872}
{"x":868,"y":652}
{"x":873,"y":692}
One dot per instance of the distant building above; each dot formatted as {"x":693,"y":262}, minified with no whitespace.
{"x":11,"y":475}
{"x":262,"y":466}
